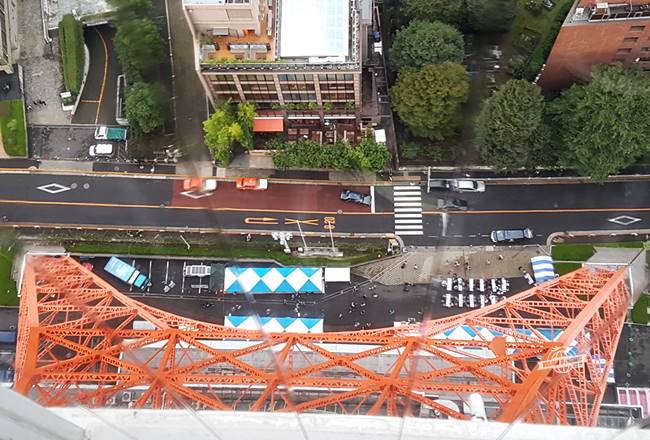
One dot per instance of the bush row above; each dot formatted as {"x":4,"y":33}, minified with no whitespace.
{"x":71,"y":43}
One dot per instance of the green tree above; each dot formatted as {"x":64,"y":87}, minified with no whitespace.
{"x":448,"y":11}
{"x":490,"y":15}
{"x":145,"y":107}
{"x":510,"y":132}
{"x":139,"y":48}
{"x":426,"y":42}
{"x":131,"y":9}
{"x":245,"y":116}
{"x":428,"y":100}
{"x":71,"y":44}
{"x":601,"y":127}
{"x":225,"y":130}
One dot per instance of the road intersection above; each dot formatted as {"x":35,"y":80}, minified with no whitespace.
{"x":407,"y":210}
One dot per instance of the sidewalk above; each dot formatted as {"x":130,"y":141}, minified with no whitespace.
{"x":421,"y":266}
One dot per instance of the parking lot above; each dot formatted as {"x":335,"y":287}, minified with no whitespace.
{"x":70,"y":142}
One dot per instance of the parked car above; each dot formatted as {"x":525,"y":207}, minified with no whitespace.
{"x":252,"y":183}
{"x":452,"y":204}
{"x":100,"y":150}
{"x":510,"y":235}
{"x":467,"y":185}
{"x":356,"y":197}
{"x":443,"y":185}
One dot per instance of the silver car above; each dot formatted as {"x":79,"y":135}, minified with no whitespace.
{"x":467,"y":185}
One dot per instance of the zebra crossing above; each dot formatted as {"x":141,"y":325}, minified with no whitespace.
{"x":407,"y":202}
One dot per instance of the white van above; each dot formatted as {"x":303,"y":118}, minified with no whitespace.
{"x":100,"y":150}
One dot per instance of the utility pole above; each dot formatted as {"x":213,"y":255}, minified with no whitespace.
{"x":302,"y":236}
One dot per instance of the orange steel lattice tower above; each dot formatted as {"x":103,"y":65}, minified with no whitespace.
{"x":77,"y":345}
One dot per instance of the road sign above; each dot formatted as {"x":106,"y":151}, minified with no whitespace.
{"x":293,"y":221}
{"x":261,"y":221}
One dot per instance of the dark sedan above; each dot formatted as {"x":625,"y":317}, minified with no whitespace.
{"x":356,"y":197}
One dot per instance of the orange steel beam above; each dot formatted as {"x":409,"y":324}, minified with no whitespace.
{"x":77,"y":344}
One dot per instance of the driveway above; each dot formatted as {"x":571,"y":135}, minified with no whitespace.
{"x":70,"y":142}
{"x":97,"y":105}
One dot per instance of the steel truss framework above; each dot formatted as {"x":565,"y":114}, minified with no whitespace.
{"x":77,"y":345}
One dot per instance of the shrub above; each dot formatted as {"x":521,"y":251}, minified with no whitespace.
{"x":433,"y":153}
{"x":640,"y":310}
{"x":410,"y":151}
{"x":71,"y":44}
{"x":304,"y":153}
{"x":534,"y":6}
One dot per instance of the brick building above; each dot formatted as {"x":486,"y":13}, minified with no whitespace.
{"x":598,"y":33}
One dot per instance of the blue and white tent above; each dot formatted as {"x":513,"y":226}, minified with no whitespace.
{"x":260,"y":280}
{"x":543,"y":269}
{"x":276,"y":325}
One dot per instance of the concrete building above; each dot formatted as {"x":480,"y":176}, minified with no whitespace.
{"x":300,"y":62}
{"x":8,"y":35}
{"x":598,"y":33}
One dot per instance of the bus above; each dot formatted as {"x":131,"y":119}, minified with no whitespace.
{"x":127,"y":273}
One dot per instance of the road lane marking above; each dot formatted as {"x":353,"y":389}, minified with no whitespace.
{"x":409,"y":232}
{"x":445,"y":220}
{"x":372,"y":199}
{"x":261,"y":221}
{"x":101,"y":90}
{"x":54,"y":188}
{"x":408,"y":199}
{"x":410,"y":193}
{"x":402,"y":227}
{"x":624,"y":220}
{"x":293,"y":221}
{"x":406,"y":188}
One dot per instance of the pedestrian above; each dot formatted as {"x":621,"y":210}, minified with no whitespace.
{"x":29,"y":108}
{"x":415,"y":266}
{"x":403,"y":265}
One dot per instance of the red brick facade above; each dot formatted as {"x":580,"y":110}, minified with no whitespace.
{"x":581,"y":45}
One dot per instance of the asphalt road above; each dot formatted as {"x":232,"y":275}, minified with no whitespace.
{"x":158,"y":202}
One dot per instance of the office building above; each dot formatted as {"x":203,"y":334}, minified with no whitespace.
{"x":297,"y":60}
{"x":598,"y":33}
{"x":8,"y":35}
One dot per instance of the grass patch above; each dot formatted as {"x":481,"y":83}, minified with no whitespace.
{"x":12,"y":125}
{"x":71,"y":42}
{"x":572,"y":252}
{"x":564,"y":268}
{"x":272,"y":251}
{"x":640,"y":310}
{"x":8,"y":292}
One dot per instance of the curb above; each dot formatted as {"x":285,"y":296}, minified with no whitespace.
{"x":602,"y":233}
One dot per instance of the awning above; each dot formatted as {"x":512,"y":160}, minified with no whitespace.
{"x":268,"y":125}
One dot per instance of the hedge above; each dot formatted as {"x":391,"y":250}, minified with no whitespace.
{"x":640,"y":310}
{"x":71,"y":43}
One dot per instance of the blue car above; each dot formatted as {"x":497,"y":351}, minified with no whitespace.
{"x":356,"y":197}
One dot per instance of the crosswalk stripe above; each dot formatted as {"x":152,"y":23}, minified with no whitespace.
{"x":408,"y":204}
{"x":398,"y":227}
{"x":403,"y":187}
{"x":414,"y":215}
{"x":408,"y":221}
{"x":407,"y":193}
{"x":411,"y":233}
{"x":408,"y":209}
{"x":408,"y":199}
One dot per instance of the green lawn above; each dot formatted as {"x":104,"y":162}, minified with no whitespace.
{"x":12,"y":125}
{"x":227,"y":252}
{"x":572,"y":252}
{"x":640,"y":310}
{"x":8,"y":292}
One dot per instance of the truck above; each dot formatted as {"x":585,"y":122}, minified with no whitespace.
{"x":127,"y":273}
{"x":252,"y":183}
{"x":104,"y":133}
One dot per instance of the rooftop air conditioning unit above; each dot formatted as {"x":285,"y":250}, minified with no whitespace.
{"x":603,"y":5}
{"x":126,"y":396}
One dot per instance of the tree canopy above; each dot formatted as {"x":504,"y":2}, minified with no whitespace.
{"x":139,"y":48}
{"x":426,"y":42}
{"x":130,"y":9}
{"x":226,"y":129}
{"x":510,"y":132}
{"x":448,"y":11}
{"x":428,"y":100}
{"x":145,"y":107}
{"x":490,"y":15}
{"x":601,"y":127}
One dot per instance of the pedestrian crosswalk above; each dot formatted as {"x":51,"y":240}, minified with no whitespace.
{"x":407,"y":202}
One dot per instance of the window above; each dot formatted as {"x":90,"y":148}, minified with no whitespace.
{"x":645,"y":49}
{"x":623,"y":50}
{"x":618,"y":60}
{"x":630,"y":39}
{"x":637,"y":28}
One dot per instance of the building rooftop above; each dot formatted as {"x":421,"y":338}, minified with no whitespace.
{"x":598,"y":11}
{"x":318,"y":28}
{"x":88,"y":10}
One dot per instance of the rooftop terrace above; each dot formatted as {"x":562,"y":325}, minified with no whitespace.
{"x":588,"y":11}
